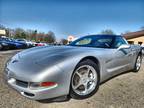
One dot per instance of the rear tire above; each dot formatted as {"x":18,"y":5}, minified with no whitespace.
{"x":85,"y":80}
{"x":138,"y":63}
{"x":7,"y":48}
{"x":1,"y":47}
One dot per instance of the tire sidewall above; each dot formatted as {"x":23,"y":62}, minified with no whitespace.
{"x":135,"y":67}
{"x":94,"y":65}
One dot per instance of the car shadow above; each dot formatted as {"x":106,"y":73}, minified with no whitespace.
{"x":53,"y":100}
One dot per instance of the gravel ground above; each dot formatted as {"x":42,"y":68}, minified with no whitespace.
{"x":124,"y":91}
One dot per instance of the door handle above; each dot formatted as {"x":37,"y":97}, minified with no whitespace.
{"x":130,"y":54}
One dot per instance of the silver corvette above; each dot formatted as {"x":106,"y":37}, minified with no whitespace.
{"x":75,"y":70}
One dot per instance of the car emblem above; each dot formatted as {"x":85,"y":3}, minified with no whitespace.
{"x":14,"y":61}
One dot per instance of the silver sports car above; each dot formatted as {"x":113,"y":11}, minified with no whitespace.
{"x":75,"y":70}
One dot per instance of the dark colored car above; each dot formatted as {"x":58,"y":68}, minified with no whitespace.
{"x":6,"y":43}
{"x":19,"y":45}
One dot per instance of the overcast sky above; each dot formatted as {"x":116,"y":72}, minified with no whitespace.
{"x":73,"y":17}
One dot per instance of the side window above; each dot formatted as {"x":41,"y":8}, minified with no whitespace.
{"x":103,"y":42}
{"x":118,"y":42}
{"x":84,"y":41}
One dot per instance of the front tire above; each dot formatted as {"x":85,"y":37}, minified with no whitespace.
{"x":138,"y":63}
{"x":85,"y":80}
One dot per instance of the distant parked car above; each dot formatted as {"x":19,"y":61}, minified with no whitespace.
{"x":27,"y":42}
{"x":5,"y":45}
{"x":8,"y":43}
{"x":19,"y":45}
{"x":40,"y":44}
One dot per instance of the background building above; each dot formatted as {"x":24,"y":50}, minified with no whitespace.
{"x":135,"y":37}
{"x":2,"y":32}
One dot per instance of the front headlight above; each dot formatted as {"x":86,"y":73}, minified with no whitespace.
{"x":4,"y":44}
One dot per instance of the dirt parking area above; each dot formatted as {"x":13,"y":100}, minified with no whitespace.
{"x":124,"y":91}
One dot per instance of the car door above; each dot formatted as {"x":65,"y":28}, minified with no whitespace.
{"x":121,"y":57}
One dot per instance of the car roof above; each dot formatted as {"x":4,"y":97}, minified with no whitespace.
{"x":104,"y":35}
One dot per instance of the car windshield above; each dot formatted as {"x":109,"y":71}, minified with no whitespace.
{"x":98,"y":41}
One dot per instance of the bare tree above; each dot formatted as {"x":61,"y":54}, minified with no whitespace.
{"x":50,"y":37}
{"x":20,"y":33}
{"x":64,"y":41}
{"x":30,"y":34}
{"x":107,"y":31}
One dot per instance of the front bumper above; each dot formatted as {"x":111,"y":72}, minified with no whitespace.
{"x":27,"y":71}
{"x":36,"y":94}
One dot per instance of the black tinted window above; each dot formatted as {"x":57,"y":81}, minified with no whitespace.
{"x":99,"y":41}
{"x":118,"y":42}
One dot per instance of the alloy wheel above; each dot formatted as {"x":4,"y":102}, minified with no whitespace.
{"x":138,"y":63}
{"x":84,"y":80}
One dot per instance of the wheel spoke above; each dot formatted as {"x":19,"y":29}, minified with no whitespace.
{"x":85,"y":87}
{"x":79,"y":74}
{"x":88,"y":69}
{"x":79,"y":84}
{"x":90,"y":79}
{"x":87,"y":72}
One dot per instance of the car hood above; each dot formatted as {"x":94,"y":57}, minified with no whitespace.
{"x":45,"y":51}
{"x":44,"y":56}
{"x":48,"y":52}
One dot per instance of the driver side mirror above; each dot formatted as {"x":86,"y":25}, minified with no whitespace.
{"x":124,"y":46}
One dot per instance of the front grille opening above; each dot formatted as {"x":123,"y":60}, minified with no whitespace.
{"x":22,"y":83}
{"x":29,"y":94}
